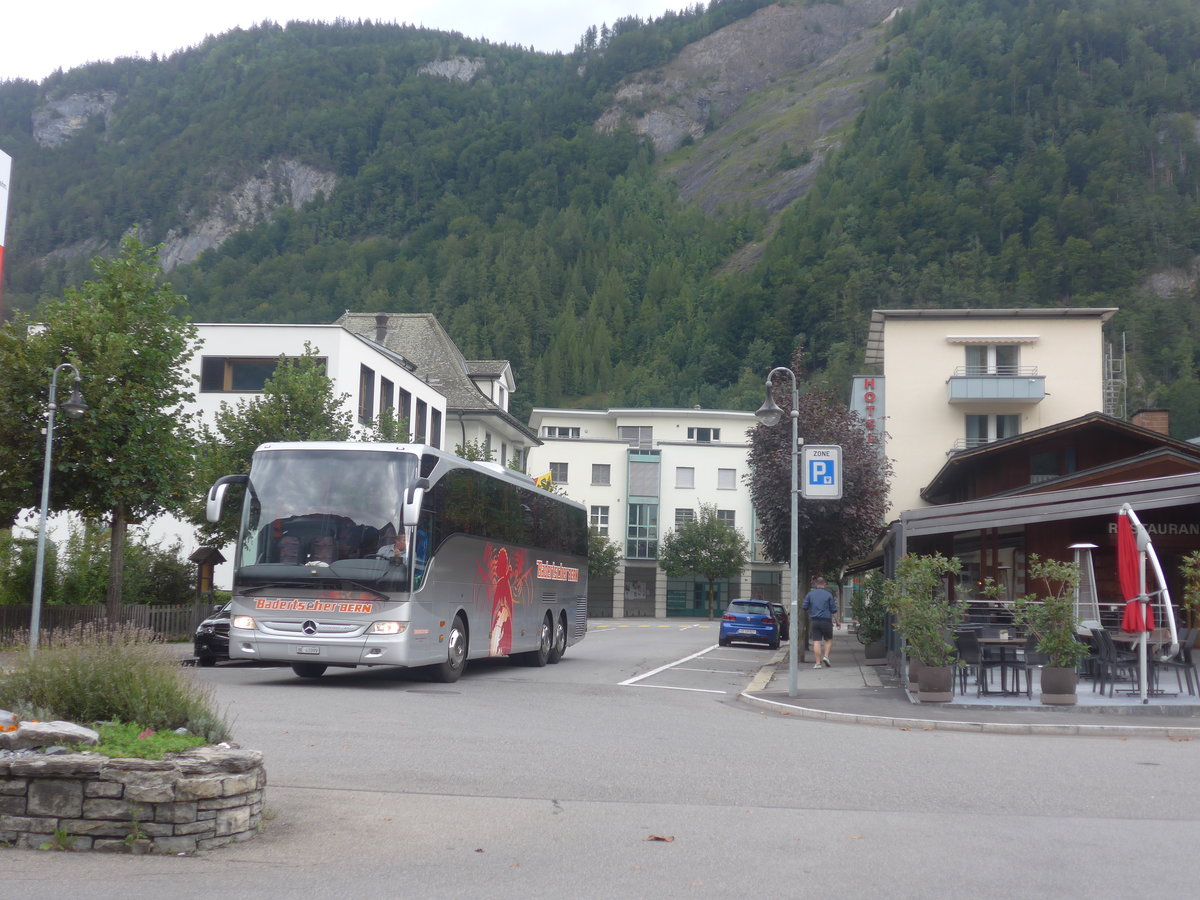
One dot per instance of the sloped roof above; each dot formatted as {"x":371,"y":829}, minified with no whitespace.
{"x":1093,"y":426}
{"x":421,"y":339}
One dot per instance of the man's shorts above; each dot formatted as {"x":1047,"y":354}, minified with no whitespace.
{"x":822,"y":629}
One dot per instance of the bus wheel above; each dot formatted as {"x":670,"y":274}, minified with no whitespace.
{"x":541,"y":655}
{"x":559,"y":647}
{"x":308,"y":670}
{"x":456,"y":654}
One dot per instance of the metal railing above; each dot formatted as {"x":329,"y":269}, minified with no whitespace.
{"x":171,"y":623}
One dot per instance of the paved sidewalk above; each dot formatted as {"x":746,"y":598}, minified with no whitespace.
{"x":853,"y":692}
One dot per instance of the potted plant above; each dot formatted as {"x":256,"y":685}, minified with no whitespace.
{"x":925,"y":618}
{"x":1050,"y":619}
{"x":1190,"y":603}
{"x":870,"y":614}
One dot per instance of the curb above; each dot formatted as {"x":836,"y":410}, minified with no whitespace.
{"x":764,"y":675}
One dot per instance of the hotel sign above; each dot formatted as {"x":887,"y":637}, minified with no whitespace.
{"x":866,"y":399}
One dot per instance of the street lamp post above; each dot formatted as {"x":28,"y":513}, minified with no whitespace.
{"x":74,"y":407}
{"x":769,"y":414}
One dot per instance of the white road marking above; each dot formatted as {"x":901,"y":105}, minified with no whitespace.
{"x":677,"y":662}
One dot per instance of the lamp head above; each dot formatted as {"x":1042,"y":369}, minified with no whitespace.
{"x":75,"y":407}
{"x":769,"y":413}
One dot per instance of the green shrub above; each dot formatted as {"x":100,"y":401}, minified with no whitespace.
{"x":94,"y":674}
{"x":121,"y":741}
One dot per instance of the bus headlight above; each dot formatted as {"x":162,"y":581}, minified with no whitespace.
{"x":388,"y":628}
{"x":246,"y":622}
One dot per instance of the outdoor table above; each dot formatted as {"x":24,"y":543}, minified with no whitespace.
{"x":1004,"y":643}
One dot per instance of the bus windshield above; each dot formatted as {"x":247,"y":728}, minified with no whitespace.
{"x":327,"y":513}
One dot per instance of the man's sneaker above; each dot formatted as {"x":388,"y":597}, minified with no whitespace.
{"x":817,"y":666}
{"x":826,"y":661}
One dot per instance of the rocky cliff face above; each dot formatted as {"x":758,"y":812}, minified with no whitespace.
{"x":279,"y":183}
{"x":57,"y":121}
{"x":747,"y":114}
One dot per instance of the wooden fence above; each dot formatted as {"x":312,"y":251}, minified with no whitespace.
{"x":171,"y":623}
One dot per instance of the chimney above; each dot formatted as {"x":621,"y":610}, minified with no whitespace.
{"x":1158,"y":420}
{"x":381,"y":323}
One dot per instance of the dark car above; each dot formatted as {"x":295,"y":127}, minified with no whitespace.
{"x":212,"y":638}
{"x":749,"y":620}
{"x":785,"y":621}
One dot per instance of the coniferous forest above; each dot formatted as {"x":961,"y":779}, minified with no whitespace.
{"x":1008,"y":154}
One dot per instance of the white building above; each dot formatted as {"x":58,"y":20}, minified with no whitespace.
{"x":641,"y":472}
{"x":954,"y":379}
{"x":234,"y":361}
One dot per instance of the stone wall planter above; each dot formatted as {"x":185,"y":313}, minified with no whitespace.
{"x":206,"y":798}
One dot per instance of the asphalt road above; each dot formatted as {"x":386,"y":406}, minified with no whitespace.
{"x":609,"y":775}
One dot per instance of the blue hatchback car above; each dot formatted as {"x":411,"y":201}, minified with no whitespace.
{"x":749,"y":620}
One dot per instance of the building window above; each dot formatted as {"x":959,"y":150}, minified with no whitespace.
{"x":387,"y":395}
{"x":419,"y":431}
{"x":643,"y":477}
{"x":985,"y":429}
{"x":704,"y":435}
{"x":683,"y":516}
{"x":993,"y":359}
{"x":637,"y":435}
{"x":599,"y":519}
{"x":726,"y":479}
{"x":641,"y":535}
{"x":560,"y":431}
{"x":232,"y":374}
{"x":601,"y":473}
{"x":558,"y":472}
{"x":435,"y":428}
{"x":366,"y":395}
{"x":404,"y":407}
{"x":728,"y":516}
{"x":685,"y":477}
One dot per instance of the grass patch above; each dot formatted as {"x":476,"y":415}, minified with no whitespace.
{"x":125,"y":741}
{"x":122,"y":674}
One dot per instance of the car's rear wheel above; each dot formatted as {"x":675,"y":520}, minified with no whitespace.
{"x":724,"y":642}
{"x":309,"y":670}
{"x":206,"y":661}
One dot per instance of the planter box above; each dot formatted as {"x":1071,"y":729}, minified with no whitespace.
{"x":914,"y":675}
{"x":1058,"y":686}
{"x":875,"y":653}
{"x":936,"y":685}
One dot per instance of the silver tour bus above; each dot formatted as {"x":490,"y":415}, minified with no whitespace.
{"x":400,"y":555}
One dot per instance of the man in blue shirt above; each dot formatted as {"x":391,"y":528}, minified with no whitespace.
{"x":822,"y":611}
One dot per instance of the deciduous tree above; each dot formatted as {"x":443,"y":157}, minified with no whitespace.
{"x":706,"y":546}
{"x":130,"y":456}
{"x":832,"y":532}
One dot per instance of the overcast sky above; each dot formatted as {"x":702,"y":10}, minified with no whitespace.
{"x":35,"y":40}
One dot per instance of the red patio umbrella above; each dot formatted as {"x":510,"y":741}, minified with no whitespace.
{"x":1139,"y":616}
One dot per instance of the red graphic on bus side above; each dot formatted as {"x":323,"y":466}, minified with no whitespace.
{"x":505,"y":578}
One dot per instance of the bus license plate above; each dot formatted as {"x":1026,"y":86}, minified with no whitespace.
{"x":311,"y":651}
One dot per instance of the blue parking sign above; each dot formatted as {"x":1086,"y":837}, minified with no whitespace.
{"x":822,"y":472}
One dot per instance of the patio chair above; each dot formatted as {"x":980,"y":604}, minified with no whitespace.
{"x":1112,"y":666}
{"x":1031,"y":659}
{"x":1182,"y":664}
{"x":974,"y":661}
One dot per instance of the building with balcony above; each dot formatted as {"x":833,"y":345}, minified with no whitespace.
{"x":951,"y":380}
{"x":641,"y":473}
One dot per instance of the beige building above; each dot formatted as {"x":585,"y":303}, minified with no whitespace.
{"x":954,"y":379}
